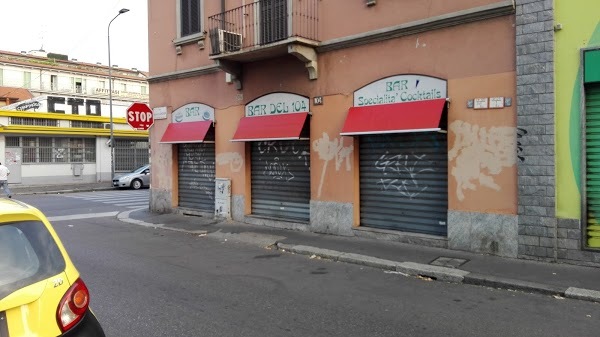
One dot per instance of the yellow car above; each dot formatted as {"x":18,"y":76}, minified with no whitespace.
{"x":41,"y":292}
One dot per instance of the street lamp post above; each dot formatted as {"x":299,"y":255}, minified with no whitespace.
{"x":110,"y":104}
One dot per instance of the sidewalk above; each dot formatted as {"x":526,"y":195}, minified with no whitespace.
{"x":561,"y":280}
{"x":17,"y":189}
{"x":439,"y":264}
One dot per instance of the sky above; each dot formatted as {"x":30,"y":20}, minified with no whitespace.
{"x":79,"y":29}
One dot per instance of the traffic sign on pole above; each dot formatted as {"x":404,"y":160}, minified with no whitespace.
{"x":140,"y":116}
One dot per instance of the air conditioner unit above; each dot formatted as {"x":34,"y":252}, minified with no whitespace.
{"x":107,"y":126}
{"x":229,"y":42}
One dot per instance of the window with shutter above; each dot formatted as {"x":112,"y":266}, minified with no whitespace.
{"x":190,"y":19}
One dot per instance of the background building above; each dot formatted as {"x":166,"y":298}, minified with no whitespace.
{"x":558,"y":65}
{"x":55,"y":119}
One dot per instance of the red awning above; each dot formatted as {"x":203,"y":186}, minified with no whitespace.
{"x":186,"y":132}
{"x":417,"y":116}
{"x":273,"y":127}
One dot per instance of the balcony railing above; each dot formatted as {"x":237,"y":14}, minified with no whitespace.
{"x":260,"y":24}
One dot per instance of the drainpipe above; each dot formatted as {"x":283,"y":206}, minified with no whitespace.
{"x":222,"y":14}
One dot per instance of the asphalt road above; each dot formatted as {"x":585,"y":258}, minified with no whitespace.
{"x":150,"y":282}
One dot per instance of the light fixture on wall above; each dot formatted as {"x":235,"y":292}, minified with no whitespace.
{"x":110,"y":104}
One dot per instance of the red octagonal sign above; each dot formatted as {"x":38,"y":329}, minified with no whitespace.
{"x":140,"y":116}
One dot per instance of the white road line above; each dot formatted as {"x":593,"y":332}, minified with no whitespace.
{"x":81,"y":216}
{"x":109,"y":196}
{"x":125,"y":204}
{"x":112,"y":201}
{"x":116,"y":199}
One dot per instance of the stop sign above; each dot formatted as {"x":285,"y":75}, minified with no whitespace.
{"x":139,"y":116}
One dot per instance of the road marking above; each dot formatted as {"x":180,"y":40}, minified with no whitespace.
{"x":82,"y":216}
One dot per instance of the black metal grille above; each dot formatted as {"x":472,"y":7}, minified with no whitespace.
{"x":197,"y":176}
{"x":281,"y":179}
{"x":131,"y":154}
{"x":262,"y":23}
{"x":190,"y":17}
{"x":404,"y":182}
{"x":33,"y":121}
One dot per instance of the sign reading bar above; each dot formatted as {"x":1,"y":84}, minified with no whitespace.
{"x":193,"y":112}
{"x":400,"y":89}
{"x":277,"y":103}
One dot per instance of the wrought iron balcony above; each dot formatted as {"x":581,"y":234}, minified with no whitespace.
{"x":263,"y":29}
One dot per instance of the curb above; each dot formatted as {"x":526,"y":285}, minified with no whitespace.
{"x":512,"y":284}
{"x":15,"y":191}
{"x":444,"y":274}
{"x":437,"y":273}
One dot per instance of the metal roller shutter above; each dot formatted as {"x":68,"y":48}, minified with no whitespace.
{"x":197,"y":176}
{"x":404,"y":182}
{"x":592,"y":150}
{"x":281,"y":179}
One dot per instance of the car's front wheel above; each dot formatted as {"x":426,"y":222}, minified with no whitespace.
{"x":136,"y":184}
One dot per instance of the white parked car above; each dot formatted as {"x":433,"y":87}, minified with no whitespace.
{"x":135,"y":179}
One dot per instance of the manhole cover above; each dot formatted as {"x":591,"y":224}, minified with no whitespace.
{"x":449,"y":262}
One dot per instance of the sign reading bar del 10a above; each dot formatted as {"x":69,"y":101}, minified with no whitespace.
{"x":277,"y":103}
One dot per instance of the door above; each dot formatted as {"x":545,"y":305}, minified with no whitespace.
{"x":196,"y":168}
{"x":273,"y":20}
{"x":404,"y":182}
{"x":281,"y":179}
{"x":14,"y":159}
{"x":592,"y":161}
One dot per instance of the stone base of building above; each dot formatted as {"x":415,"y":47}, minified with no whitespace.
{"x":331,"y":217}
{"x":238,"y":206}
{"x":486,"y":233}
{"x":160,"y":201}
{"x":403,"y":237}
{"x":561,"y":242}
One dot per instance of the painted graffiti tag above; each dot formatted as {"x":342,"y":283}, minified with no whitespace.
{"x":278,"y":147}
{"x":329,"y":150}
{"x":278,"y":170}
{"x":234,"y":159}
{"x":204,"y":172}
{"x":401,"y":173}
{"x":520,"y":134}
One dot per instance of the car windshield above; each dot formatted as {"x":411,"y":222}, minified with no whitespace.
{"x":28,"y":254}
{"x":140,"y":169}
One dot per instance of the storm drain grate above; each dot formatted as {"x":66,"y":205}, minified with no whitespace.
{"x":449,"y":262}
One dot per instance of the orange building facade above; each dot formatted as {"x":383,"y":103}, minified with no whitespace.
{"x":395,"y":120}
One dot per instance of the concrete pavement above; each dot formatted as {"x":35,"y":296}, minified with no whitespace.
{"x":559,"y":280}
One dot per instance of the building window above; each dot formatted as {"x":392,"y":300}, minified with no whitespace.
{"x":32,"y":121}
{"x":102,"y":84}
{"x":1,"y":77}
{"x":12,"y":141}
{"x":190,"y":17}
{"x":78,"y":85}
{"x":30,"y":150}
{"x":123,"y":87}
{"x":144,"y":90}
{"x":87,"y":125}
{"x":54,"y":82}
{"x":189,"y":21}
{"x":57,"y":150}
{"x":27,"y":80}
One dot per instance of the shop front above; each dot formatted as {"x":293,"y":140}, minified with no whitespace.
{"x":277,"y":128}
{"x":192,"y":131}
{"x":401,"y":124}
